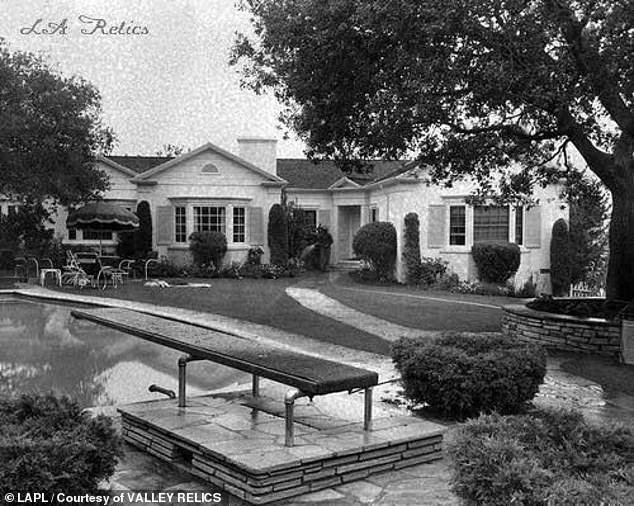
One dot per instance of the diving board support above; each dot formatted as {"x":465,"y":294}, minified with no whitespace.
{"x":289,"y":402}
{"x":182,"y":378}
{"x":367,"y":409}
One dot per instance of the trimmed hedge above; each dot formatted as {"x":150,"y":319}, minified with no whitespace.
{"x":278,"y":235}
{"x":496,"y":261}
{"x":411,"y":248}
{"x":463,"y":374}
{"x":560,"y":258}
{"x":208,"y":248}
{"x":375,"y":243}
{"x":545,"y":457}
{"x":47,"y":444}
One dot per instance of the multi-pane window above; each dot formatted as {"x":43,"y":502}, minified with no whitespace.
{"x":239,"y":224}
{"x":457,"y":226}
{"x":97,"y":235}
{"x":209,"y":219}
{"x":490,"y":223}
{"x":180,"y":224}
{"x":519,"y":225}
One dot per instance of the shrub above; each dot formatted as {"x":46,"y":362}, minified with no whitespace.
{"x":143,"y":236}
{"x":48,"y":445}
{"x":463,"y":374}
{"x":301,"y":231}
{"x":560,"y":258}
{"x":278,"y":235}
{"x":528,"y":289}
{"x":431,"y":270}
{"x":496,"y":261}
{"x":208,"y":248}
{"x":545,"y":457}
{"x":375,"y":243}
{"x":7,"y":259}
{"x":254,"y":255}
{"x":411,"y":248}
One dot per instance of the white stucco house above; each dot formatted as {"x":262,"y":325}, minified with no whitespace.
{"x":210,"y":188}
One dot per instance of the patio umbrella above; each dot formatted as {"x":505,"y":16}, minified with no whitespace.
{"x":103,"y":216}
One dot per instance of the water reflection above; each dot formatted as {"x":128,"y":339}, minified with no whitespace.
{"x":43,"y":348}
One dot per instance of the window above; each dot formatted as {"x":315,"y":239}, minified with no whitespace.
{"x":490,"y":223}
{"x":72,"y":234}
{"x":239,"y":224}
{"x":97,"y":235}
{"x":209,"y":219}
{"x":180,"y":224}
{"x":374,"y":214}
{"x":457,"y":226}
{"x":210,"y":168}
{"x":311,"y":217}
{"x":519,"y":225}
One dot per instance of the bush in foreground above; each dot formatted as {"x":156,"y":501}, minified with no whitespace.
{"x":375,"y":243}
{"x":545,"y":457}
{"x":48,"y":444}
{"x":496,"y":261}
{"x":463,"y":374}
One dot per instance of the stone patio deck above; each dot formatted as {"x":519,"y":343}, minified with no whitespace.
{"x":236,"y":443}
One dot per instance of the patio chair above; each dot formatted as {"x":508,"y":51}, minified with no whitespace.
{"x":74,"y":274}
{"x":115,"y":275}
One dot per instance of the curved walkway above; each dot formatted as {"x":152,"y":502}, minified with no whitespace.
{"x":322,"y":304}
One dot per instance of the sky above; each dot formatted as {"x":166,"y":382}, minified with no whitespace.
{"x":172,"y":84}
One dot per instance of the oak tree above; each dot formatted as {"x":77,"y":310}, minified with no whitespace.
{"x":468,"y":85}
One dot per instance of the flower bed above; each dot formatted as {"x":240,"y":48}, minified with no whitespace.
{"x":563,"y":332}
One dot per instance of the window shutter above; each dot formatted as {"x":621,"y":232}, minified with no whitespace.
{"x":324,"y":218}
{"x":256,"y":225}
{"x":533,"y":227}
{"x":164,"y":222}
{"x":436,"y":226}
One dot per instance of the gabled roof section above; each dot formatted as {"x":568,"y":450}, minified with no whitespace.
{"x":139,"y":164}
{"x":344,"y":182}
{"x":322,"y":174}
{"x":107,"y":160}
{"x":207,"y":147}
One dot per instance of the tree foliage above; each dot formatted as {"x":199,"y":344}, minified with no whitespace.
{"x":468,"y":85}
{"x":50,"y":131}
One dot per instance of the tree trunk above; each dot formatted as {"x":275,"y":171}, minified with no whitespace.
{"x":620,"y":278}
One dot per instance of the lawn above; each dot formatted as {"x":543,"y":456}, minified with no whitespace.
{"x":413,"y":307}
{"x":260,"y":301}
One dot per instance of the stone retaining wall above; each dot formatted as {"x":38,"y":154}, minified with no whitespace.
{"x":562,"y":332}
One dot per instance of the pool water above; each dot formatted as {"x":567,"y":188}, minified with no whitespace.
{"x":43,"y":348}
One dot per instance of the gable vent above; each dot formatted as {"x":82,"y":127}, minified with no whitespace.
{"x":210,"y":168}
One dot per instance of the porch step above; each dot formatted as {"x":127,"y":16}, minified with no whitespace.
{"x":348,"y":265}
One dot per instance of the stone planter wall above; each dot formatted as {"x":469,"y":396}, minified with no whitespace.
{"x":562,"y":332}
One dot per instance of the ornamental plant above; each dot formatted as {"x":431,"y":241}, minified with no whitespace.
{"x":278,"y":235}
{"x":560,"y":258}
{"x":496,"y":261}
{"x":462,"y":374}
{"x":208,"y":248}
{"x":375,"y":243}
{"x":411,"y":248}
{"x":48,"y":444}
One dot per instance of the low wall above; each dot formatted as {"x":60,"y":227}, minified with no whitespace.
{"x":562,"y":332}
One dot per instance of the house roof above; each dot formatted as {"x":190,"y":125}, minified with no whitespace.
{"x":205,"y":147}
{"x":322,"y":174}
{"x":139,"y":164}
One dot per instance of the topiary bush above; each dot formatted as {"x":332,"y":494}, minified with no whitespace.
{"x":496,"y":261}
{"x":278,"y":235}
{"x":560,"y":258}
{"x":143,"y":235}
{"x":375,"y":243}
{"x":208,"y":248}
{"x":47,"y":444}
{"x":463,"y":374}
{"x":411,"y":248}
{"x":544,"y":457}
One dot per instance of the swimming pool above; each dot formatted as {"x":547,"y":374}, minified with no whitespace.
{"x":43,"y":348}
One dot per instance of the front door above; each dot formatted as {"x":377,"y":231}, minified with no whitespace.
{"x":349,"y":223}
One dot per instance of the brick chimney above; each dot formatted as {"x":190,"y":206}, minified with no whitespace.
{"x":261,"y":152}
